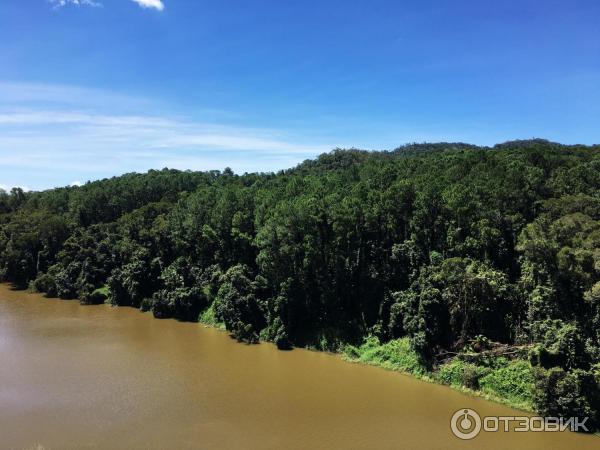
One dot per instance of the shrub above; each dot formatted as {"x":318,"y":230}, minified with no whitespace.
{"x":237,"y":305}
{"x":397,"y":354}
{"x":513,"y":382}
{"x":182,"y":304}
{"x":461,"y":373}
{"x":146,"y":305}
{"x":45,"y":283}
{"x":559,"y":393}
{"x":98,"y":296}
{"x":209,"y":317}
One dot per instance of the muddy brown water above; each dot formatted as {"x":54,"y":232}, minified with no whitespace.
{"x":75,"y":377}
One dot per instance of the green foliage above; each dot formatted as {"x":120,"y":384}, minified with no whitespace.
{"x":237,"y":306}
{"x":453,"y":300}
{"x":136,"y":279}
{"x":461,"y":373}
{"x":181,"y":296}
{"x":435,"y":249}
{"x":98,"y":296}
{"x":397,"y":355}
{"x":45,"y":283}
{"x":513,"y":382}
{"x":499,"y":378}
{"x":209,"y":317}
{"x":561,"y":345}
{"x":28,"y":243}
{"x":559,"y":393}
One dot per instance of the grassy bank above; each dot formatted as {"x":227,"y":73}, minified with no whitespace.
{"x":498,"y":379}
{"x":209,"y":318}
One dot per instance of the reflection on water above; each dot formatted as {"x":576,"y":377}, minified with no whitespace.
{"x":101,"y":377}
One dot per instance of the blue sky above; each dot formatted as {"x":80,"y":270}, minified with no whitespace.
{"x":95,"y":88}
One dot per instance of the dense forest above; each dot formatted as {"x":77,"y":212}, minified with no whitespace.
{"x":479,"y":266}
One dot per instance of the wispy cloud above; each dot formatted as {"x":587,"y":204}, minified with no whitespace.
{"x":152,"y":4}
{"x":151,"y":131}
{"x":61,"y":3}
{"x":54,"y":142}
{"x":68,"y":97}
{"x":156,"y":4}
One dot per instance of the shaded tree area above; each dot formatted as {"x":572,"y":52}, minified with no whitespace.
{"x":442,"y":244}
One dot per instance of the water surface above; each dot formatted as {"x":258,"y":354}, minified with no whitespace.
{"x":75,"y":377}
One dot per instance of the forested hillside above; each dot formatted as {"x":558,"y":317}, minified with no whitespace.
{"x":480,"y":266}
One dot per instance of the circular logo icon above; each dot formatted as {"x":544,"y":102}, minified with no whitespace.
{"x":465,"y":424}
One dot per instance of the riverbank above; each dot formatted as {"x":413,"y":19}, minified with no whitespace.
{"x":498,"y":380}
{"x":508,"y":382}
{"x":504,"y":381}
{"x":199,"y":386}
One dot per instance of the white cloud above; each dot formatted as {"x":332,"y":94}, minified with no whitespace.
{"x":145,"y":131}
{"x":60,"y":3}
{"x":68,"y":97}
{"x":75,"y":183}
{"x":157,"y":4}
{"x":48,"y":137}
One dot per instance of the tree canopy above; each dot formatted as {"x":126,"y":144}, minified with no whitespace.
{"x":442,"y":244}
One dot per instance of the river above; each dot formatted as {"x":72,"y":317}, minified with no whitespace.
{"x":96,"y":377}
